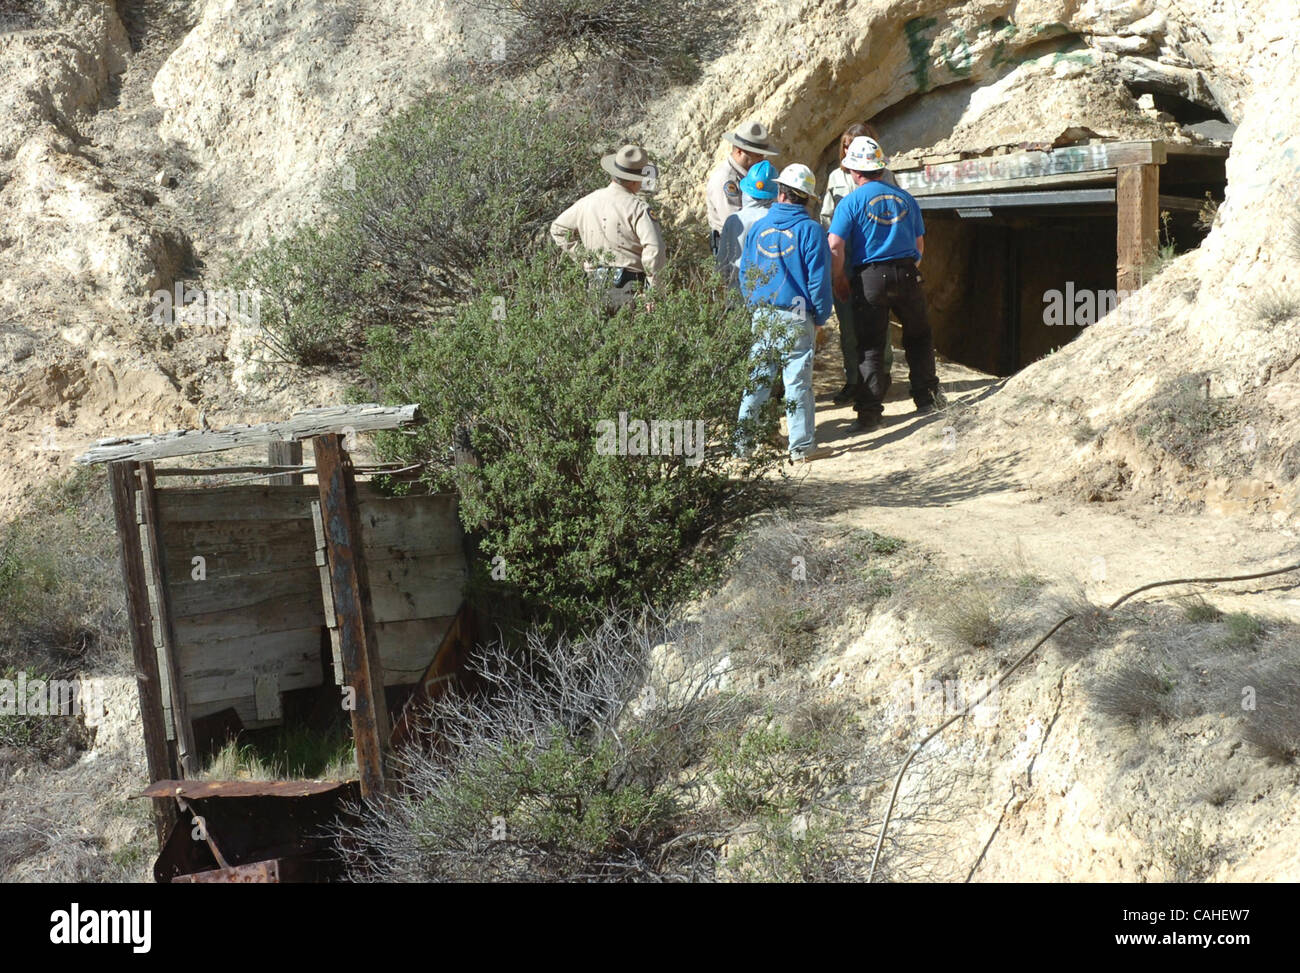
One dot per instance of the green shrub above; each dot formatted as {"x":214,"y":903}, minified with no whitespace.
{"x":296,"y":752}
{"x":448,"y":191}
{"x":1198,"y":611}
{"x":536,"y":381}
{"x":570,"y":766}
{"x":313,"y":289}
{"x":1242,"y":630}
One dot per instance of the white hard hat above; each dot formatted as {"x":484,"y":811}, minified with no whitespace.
{"x":864,"y":155}
{"x":800,"y":178}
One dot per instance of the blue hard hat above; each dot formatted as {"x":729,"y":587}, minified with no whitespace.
{"x":760,"y":181}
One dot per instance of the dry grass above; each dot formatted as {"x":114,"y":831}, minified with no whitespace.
{"x":1272,"y":726}
{"x":1134,"y":692}
{"x":791,"y":583}
{"x":1274,"y":307}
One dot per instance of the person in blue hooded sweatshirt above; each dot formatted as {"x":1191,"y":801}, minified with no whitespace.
{"x":785,"y":275}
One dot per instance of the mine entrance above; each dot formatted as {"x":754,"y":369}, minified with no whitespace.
{"x":1024,"y":250}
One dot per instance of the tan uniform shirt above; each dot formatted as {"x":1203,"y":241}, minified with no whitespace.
{"x":722,"y":197}
{"x":616,"y":227}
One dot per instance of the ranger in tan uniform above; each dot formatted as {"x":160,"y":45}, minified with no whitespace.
{"x":618,"y":235}
{"x":750,"y":142}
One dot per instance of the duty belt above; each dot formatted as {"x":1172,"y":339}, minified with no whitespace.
{"x":899,"y":262}
{"x":618,"y":276}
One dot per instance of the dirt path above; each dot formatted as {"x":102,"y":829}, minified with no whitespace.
{"x":917,"y":480}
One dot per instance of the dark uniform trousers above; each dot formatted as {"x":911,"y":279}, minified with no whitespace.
{"x":616,"y":286}
{"x":878,"y":289}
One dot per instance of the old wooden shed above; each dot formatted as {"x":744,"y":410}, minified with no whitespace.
{"x":256,"y":586}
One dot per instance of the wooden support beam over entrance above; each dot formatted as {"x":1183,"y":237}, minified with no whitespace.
{"x":1137,"y":196}
{"x":124,"y":485}
{"x":363,"y":670}
{"x":1030,"y":170}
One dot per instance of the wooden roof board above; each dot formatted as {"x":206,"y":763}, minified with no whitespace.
{"x":367,"y":417}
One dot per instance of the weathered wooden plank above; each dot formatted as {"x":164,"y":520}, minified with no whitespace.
{"x":1019,"y":166}
{"x":1137,"y":196}
{"x":255,"y":616}
{"x":244,"y":706}
{"x":410,"y":526}
{"x":349,"y":584}
{"x":1062,"y":197}
{"x":284,"y":454}
{"x":228,"y":668}
{"x":165,"y":471}
{"x":123,"y":486}
{"x":302,"y":425}
{"x":186,"y":753}
{"x":266,"y":694}
{"x":296,"y":590}
{"x":408,"y":647}
{"x":238,"y":502}
{"x":1185,"y":204}
{"x":406,"y":588}
{"x":236,"y":548}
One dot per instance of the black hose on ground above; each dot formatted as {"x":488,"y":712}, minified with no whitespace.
{"x":893,"y":797}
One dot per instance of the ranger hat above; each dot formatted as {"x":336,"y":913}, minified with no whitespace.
{"x":753,"y":137}
{"x":864,"y":155}
{"x":629,"y":162}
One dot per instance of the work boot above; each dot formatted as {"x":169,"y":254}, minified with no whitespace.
{"x":808,"y":455}
{"x":938,"y":402}
{"x":846,"y":394}
{"x":868,"y":423}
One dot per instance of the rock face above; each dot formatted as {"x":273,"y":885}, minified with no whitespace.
{"x":268,"y":97}
{"x":948,"y":76}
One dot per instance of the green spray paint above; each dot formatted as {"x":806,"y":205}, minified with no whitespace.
{"x":918,"y":49}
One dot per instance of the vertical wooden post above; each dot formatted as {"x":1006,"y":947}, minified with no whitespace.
{"x":363,"y":670}
{"x":284,"y":454}
{"x":124,"y":486}
{"x":1137,"y":200}
{"x":187,"y":755}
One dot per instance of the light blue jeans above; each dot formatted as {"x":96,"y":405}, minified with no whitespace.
{"x":790,"y":335}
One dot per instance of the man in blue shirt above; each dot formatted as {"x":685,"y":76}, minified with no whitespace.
{"x":785,"y":275}
{"x":877,"y":238}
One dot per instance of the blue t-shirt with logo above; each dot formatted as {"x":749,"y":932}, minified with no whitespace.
{"x":878,"y":222}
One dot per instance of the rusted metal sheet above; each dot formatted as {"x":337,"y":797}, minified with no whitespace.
{"x":271,"y":871}
{"x":226,"y":825}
